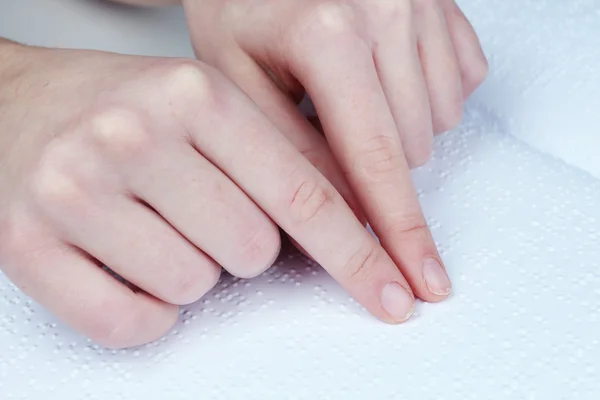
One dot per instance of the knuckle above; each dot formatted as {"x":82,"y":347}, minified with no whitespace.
{"x":260,"y":251}
{"x":185,"y":79}
{"x":54,"y":189}
{"x":410,"y":226}
{"x":324,"y":20}
{"x":380,"y":158}
{"x":120,"y":131}
{"x":330,"y":17}
{"x":309,"y":199}
{"x":362,"y":261}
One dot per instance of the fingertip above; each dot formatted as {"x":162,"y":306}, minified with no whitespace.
{"x":162,"y":315}
{"x":398,"y":302}
{"x":424,"y":294}
{"x":474,"y":75}
{"x":260,"y":254}
{"x":150,"y":320}
{"x":418,"y":152}
{"x":434,"y":285}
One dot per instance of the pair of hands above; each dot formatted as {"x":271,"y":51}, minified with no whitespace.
{"x":167,"y":170}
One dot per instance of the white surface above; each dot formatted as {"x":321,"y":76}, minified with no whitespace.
{"x":544,"y":84}
{"x":519,"y":232}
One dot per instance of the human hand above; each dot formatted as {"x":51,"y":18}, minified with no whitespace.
{"x":384,"y":77}
{"x":164,"y":171}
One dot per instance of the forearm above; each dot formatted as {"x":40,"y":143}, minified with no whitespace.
{"x":149,"y":2}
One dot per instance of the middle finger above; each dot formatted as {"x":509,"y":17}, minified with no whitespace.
{"x":337,"y":69}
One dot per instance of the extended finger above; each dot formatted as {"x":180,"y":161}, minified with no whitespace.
{"x":304,"y":203}
{"x":270,"y":94}
{"x":341,"y":77}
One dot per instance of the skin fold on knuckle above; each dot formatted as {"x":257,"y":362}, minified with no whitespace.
{"x":308,"y":200}
{"x":409,"y":227}
{"x":380,"y":159}
{"x":324,"y":162}
{"x":361,"y":263}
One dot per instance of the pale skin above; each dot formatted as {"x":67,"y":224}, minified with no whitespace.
{"x":169,"y":170}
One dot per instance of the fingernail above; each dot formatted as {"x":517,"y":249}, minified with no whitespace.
{"x":435,"y":278}
{"x":398,"y":303}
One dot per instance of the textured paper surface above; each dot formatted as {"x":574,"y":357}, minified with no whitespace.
{"x":519,"y":231}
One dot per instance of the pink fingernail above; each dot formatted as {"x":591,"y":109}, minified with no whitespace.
{"x":435,"y":278}
{"x":397,"y":302}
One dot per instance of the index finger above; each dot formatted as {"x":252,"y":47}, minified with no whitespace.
{"x":340,"y":75}
{"x":272,"y":172}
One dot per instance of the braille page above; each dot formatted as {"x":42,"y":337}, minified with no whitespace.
{"x":519,"y":232}
{"x":518,"y":229}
